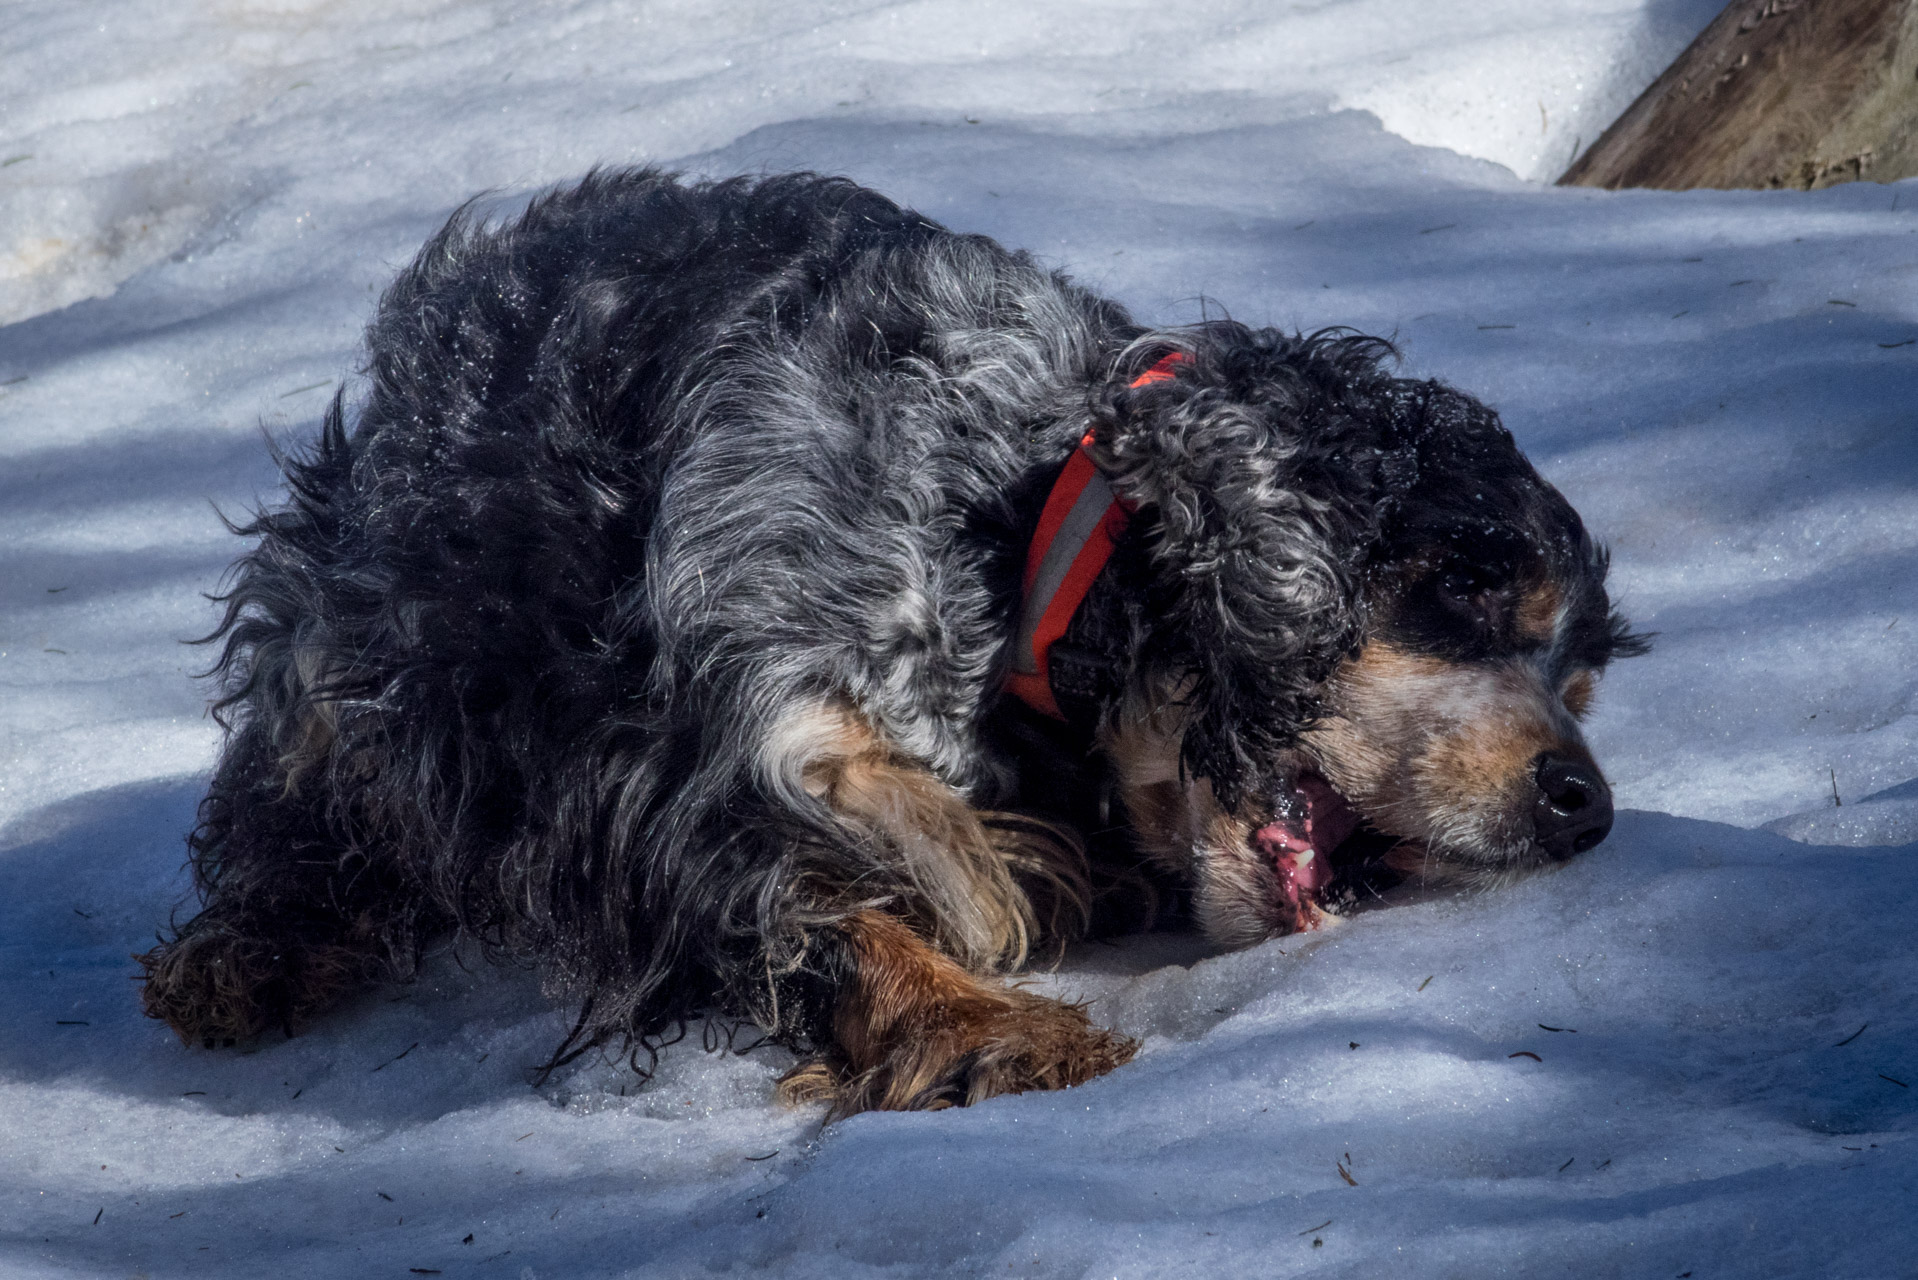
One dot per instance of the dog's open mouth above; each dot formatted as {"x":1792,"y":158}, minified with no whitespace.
{"x":1322,"y":850}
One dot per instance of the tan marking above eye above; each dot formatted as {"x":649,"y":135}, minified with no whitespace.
{"x":1537,"y":612}
{"x":1577,"y":691}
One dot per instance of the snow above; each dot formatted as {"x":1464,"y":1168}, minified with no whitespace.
{"x":198,"y":204}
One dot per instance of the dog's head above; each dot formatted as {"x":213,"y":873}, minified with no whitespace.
{"x":1370,"y":623}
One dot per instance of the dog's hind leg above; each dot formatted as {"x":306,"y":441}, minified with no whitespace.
{"x":293,"y":917}
{"x":913,"y":1030}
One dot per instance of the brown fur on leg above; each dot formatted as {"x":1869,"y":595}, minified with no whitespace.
{"x":216,"y":984}
{"x":986,"y":887}
{"x":915,"y":1031}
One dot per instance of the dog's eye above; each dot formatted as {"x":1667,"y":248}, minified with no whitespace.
{"x":1465,"y":589}
{"x":1473,"y":595}
{"x":1459,"y":607}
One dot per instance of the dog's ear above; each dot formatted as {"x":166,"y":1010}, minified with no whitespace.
{"x":1257,"y":473}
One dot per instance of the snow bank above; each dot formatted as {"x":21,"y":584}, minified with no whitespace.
{"x":198,"y":204}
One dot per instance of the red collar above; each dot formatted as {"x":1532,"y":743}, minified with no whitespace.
{"x":1082,"y":521}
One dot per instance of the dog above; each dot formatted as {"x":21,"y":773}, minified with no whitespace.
{"x":752,"y":596}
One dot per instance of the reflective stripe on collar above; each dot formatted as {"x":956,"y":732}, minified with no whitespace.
{"x":1082,"y":522}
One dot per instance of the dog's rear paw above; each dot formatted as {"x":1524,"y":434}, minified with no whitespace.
{"x":963,"y":1053}
{"x":215,"y":987}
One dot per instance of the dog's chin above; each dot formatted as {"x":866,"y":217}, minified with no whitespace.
{"x":1465,"y":868}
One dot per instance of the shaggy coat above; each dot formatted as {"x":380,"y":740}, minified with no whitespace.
{"x":652,"y":619}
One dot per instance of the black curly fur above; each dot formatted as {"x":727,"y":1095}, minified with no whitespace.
{"x":645,"y":469}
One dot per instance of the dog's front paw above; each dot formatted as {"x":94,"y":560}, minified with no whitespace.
{"x":1032,"y":1043}
{"x":811,"y":1080}
{"x":963,"y":1052}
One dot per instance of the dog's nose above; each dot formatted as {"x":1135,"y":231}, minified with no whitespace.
{"x":1574,"y":808}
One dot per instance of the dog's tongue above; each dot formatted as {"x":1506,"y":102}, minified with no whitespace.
{"x":1300,"y":844}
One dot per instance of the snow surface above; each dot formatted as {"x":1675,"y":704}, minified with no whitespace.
{"x":198,"y":204}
